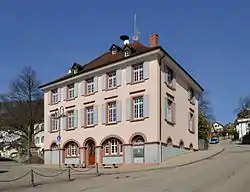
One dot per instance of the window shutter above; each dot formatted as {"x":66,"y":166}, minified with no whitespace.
{"x":59,"y":94}
{"x":49,"y":97}
{"x":165,"y":76}
{"x":95,"y":84}
{"x":128,"y":109}
{"x":146,"y":70}
{"x":49,"y":123}
{"x":82,"y":117}
{"x":166,"y":108}
{"x":104,"y":82}
{"x":146,"y":106}
{"x":96,"y":115}
{"x":118,"y":77}
{"x":83,"y":86}
{"x":104,"y":113}
{"x":76,"y":90}
{"x":65,"y":95}
{"x":174,"y":80}
{"x":63,"y":123}
{"x":129,"y":74}
{"x":119,"y":110}
{"x":174,"y":112}
{"x":76,"y":118}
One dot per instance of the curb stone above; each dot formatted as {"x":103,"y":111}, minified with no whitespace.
{"x":167,"y":167}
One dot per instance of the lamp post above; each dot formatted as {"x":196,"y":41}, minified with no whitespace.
{"x":60,"y":115}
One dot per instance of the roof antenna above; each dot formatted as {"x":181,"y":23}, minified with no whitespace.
{"x":136,"y":32}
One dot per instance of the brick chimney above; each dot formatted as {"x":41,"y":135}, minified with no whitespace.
{"x":153,"y":40}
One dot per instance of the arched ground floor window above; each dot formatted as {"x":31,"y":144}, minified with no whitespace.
{"x":113,"y":146}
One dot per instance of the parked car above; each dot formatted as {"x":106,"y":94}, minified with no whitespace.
{"x":214,"y":140}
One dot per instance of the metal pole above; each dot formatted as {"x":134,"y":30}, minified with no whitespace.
{"x":59,"y":145}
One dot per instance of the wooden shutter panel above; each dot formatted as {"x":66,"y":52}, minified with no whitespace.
{"x":128,"y":109}
{"x":76,"y":118}
{"x":146,"y":70}
{"x":104,"y":82}
{"x":76,"y":90}
{"x":95,"y":115}
{"x":146,"y":106}
{"x":95,"y":84}
{"x":104,"y":113}
{"x":118,"y":77}
{"x":129,"y":74}
{"x":119,"y":110}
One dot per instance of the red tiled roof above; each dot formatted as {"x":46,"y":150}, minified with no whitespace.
{"x":106,"y":59}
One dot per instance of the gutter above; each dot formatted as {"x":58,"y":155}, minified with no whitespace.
{"x":160,"y":115}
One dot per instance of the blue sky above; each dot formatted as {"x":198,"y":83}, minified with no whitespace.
{"x":208,"y":38}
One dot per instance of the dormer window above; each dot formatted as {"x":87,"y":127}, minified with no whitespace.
{"x":114,"y":49}
{"x":126,"y":53}
{"x":75,"y":70}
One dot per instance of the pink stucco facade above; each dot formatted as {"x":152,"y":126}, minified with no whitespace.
{"x":153,"y":127}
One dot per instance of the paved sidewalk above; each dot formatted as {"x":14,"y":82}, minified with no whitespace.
{"x":177,"y":161}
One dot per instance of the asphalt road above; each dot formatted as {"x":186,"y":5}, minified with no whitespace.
{"x":228,"y":172}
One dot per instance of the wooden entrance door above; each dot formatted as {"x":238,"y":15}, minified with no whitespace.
{"x":91,"y":152}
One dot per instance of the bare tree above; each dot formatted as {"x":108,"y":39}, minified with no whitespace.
{"x":23,"y":107}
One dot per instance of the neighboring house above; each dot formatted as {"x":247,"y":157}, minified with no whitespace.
{"x":218,"y":127}
{"x":243,"y":123}
{"x":133,"y":104}
{"x":6,"y":140}
{"x":39,"y":137}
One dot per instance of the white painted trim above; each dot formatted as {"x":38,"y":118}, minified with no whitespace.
{"x":102,"y":68}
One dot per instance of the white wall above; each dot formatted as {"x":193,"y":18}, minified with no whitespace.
{"x":243,"y":127}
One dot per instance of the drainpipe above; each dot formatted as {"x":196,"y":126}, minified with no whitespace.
{"x":160,"y":115}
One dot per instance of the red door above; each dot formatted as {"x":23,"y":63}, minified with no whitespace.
{"x":91,"y":153}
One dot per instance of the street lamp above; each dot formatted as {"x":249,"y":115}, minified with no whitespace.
{"x":59,"y":115}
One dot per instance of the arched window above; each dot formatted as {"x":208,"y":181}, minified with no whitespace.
{"x":113,"y":147}
{"x":71,"y":149}
{"x":42,"y":139}
{"x":169,"y":142}
{"x":54,"y":146}
{"x":138,"y":139}
{"x":181,"y":144}
{"x":37,"y":140}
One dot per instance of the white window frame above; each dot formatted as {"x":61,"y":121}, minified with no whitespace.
{"x":106,"y":149}
{"x":138,"y":73}
{"x":111,"y":76}
{"x":114,"y":147}
{"x":191,"y":121}
{"x":73,"y":150}
{"x":42,"y":139}
{"x":170,"y":112}
{"x":126,"y":53}
{"x":70,"y":119}
{"x":112,"y":112}
{"x":89,"y":112}
{"x":70,"y":94}
{"x":54,"y":96}
{"x":138,"y":107}
{"x":170,"y":76}
{"x":54,"y":122}
{"x":37,"y":140}
{"x":191,"y":94}
{"x":90,"y":85}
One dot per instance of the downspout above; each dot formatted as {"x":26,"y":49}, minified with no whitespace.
{"x":160,"y":115}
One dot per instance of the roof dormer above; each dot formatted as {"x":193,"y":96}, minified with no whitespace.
{"x":128,"y":50}
{"x":114,"y":49}
{"x":75,"y":68}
